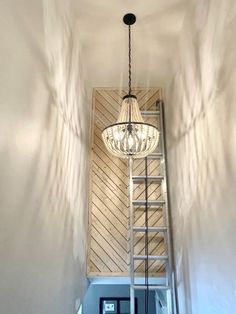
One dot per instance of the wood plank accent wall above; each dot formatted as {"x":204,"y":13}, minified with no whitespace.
{"x":108,"y":238}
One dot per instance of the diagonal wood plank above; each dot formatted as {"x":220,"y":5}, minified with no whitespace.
{"x":114,"y":233}
{"x":109,"y":199}
{"x":113,"y":256}
{"x":98,"y":263}
{"x":108,"y":196}
{"x":113,"y":245}
{"x":114,"y":217}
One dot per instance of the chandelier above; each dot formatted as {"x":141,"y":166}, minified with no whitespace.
{"x":130,"y":136}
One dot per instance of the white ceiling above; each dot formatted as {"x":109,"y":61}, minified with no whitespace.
{"x":103,"y":38}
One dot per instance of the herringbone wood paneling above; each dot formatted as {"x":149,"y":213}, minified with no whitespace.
{"x":108,"y":252}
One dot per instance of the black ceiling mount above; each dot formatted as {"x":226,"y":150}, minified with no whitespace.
{"x":129,"y":19}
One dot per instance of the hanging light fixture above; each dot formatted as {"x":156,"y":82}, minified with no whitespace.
{"x":130,"y":136}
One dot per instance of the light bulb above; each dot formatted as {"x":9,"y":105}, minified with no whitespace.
{"x":141,"y":135}
{"x":118,"y":135}
{"x":130,"y":141}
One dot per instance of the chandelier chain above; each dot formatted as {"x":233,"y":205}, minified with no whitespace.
{"x":130,"y":60}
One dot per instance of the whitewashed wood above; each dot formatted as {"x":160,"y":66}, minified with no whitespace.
{"x":108,"y":246}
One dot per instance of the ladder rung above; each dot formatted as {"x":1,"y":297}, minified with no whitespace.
{"x":151,"y":287}
{"x":149,"y":203}
{"x":155,"y":156}
{"x":150,"y":113}
{"x":150,"y":257}
{"x":149,"y":178}
{"x":150,"y":229}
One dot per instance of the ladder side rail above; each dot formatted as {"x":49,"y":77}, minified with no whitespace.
{"x":131,"y":237}
{"x":165,"y":205}
{"x":171,"y":295}
{"x":146,"y":238}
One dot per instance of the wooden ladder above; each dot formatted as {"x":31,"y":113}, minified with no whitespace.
{"x":167,"y":287}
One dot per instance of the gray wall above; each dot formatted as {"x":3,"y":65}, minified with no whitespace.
{"x":95,"y":292}
{"x":43,"y":164}
{"x":201,"y":125}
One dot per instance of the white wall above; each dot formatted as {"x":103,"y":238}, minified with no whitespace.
{"x":44,"y":159}
{"x":201,"y":125}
